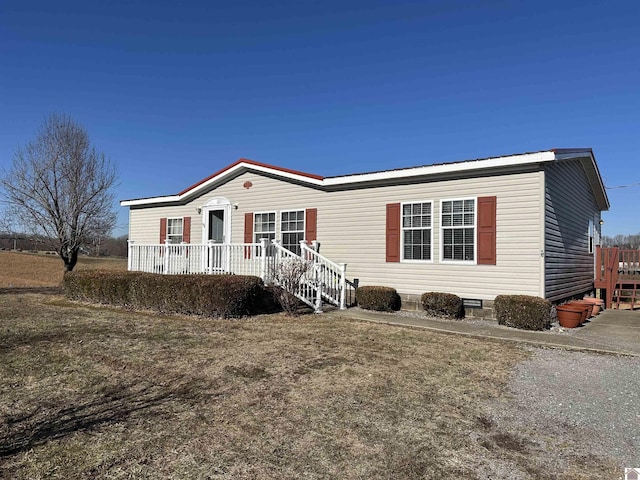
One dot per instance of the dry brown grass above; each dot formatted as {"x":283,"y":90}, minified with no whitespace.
{"x":90,"y":392}
{"x":21,"y":269}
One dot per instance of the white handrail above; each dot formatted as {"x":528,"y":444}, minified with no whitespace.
{"x":294,"y":274}
{"x":331,"y":275}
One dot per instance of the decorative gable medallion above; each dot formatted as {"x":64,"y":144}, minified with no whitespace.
{"x":247,"y":185}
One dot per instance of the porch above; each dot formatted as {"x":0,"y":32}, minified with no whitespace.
{"x":617,"y":273}
{"x":309,"y":276}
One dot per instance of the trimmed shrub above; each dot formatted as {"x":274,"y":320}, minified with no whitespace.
{"x":269,"y":301}
{"x":98,"y":286}
{"x":443,"y":304}
{"x":209,"y":295}
{"x":381,"y":299}
{"x":523,"y":311}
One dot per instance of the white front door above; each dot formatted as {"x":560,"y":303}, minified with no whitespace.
{"x":216,"y":223}
{"x":215,"y":227}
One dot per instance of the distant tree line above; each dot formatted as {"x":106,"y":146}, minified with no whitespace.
{"x":95,"y":247}
{"x":630,"y":242}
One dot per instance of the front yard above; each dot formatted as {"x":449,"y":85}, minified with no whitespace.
{"x":92,"y":392}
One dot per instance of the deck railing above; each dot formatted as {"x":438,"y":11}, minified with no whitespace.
{"x":614,"y":265}
{"x":320,"y":278}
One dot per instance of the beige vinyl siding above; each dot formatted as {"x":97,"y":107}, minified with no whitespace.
{"x":144,"y":223}
{"x":569,"y":206}
{"x":351,"y":229}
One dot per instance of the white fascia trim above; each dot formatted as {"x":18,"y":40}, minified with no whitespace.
{"x":280,"y":173}
{"x":497,"y":162}
{"x":148,"y":201}
{"x":231,"y":171}
{"x":257,"y":168}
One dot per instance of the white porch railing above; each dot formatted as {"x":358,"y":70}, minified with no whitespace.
{"x":320,"y":278}
{"x":330,"y":276}
{"x":294,"y":273}
{"x":179,"y":259}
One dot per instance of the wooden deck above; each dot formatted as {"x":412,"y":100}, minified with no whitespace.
{"x":617,"y":273}
{"x":625,"y":295}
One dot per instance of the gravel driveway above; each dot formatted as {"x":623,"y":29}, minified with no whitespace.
{"x":565,"y":403}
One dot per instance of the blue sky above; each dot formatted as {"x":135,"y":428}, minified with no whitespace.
{"x":173,"y":91}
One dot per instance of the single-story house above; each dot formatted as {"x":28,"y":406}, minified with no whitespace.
{"x":516,"y":224}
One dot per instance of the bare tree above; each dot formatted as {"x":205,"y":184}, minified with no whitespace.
{"x":288,"y":276}
{"x":7,"y":224}
{"x":620,"y":240}
{"x":8,"y":233}
{"x":60,"y":187}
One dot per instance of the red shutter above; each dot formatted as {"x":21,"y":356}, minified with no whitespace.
{"x":163,"y":230}
{"x":486,"y":230}
{"x":186,"y":233}
{"x":248,"y":227}
{"x":393,"y":232}
{"x":248,"y":233}
{"x":310,"y":224}
{"x":186,"y":229}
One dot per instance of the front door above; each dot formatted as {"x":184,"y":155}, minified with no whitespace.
{"x":216,"y":224}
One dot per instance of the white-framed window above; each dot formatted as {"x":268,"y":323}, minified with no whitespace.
{"x":292,"y":229}
{"x":416,"y":231}
{"x":264,"y":226}
{"x":591,"y":235}
{"x":458,"y":230}
{"x":174,"y":230}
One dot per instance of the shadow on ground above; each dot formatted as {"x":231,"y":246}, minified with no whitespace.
{"x":57,"y":290}
{"x":26,"y":430}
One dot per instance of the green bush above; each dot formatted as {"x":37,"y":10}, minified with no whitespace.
{"x":381,"y":299}
{"x":523,"y":311}
{"x":443,"y":304}
{"x":209,"y":295}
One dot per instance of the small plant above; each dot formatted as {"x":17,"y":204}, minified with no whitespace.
{"x":288,"y":276}
{"x":443,"y":304}
{"x":523,"y":311}
{"x":381,"y":299}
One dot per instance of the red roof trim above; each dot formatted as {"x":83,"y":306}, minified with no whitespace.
{"x":250,"y":162}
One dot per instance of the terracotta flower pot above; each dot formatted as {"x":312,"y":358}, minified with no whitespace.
{"x":598,"y":304}
{"x":570,"y":316}
{"x":586,"y":305}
